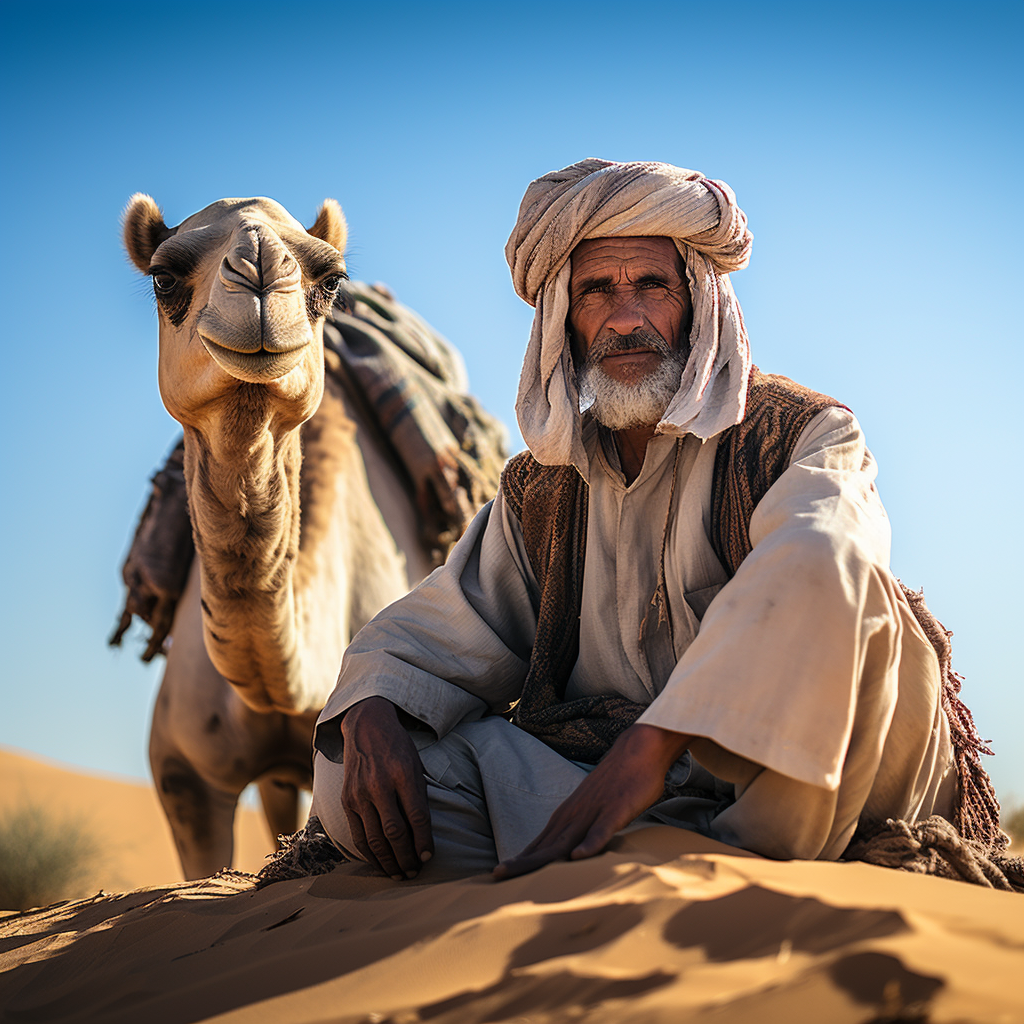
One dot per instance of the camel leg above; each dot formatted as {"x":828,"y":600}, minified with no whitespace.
{"x":280,"y":800}
{"x":196,"y":769}
{"x":201,"y":817}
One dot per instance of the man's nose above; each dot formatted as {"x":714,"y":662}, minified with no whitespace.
{"x":627,"y":314}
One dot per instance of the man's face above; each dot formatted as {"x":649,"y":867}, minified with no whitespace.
{"x":630,"y":314}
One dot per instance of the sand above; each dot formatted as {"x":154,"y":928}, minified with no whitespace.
{"x":664,"y":927}
{"x":123,"y":816}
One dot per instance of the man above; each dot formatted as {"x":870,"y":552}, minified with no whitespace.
{"x":680,"y":596}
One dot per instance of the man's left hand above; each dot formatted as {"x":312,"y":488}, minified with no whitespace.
{"x":630,"y":777}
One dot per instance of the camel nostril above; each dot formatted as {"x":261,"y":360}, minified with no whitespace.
{"x":259,"y":262}
{"x":238,"y":266}
{"x":279,"y":269}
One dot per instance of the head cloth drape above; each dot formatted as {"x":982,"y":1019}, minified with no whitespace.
{"x":599,"y":199}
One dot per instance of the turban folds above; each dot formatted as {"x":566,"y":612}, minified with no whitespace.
{"x":600,"y":199}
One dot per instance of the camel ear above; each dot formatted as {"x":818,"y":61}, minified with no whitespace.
{"x":144,"y":229}
{"x":330,"y":226}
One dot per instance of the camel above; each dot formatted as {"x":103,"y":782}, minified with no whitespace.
{"x":303,"y":526}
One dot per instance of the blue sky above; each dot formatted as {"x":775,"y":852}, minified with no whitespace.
{"x":876,"y":149}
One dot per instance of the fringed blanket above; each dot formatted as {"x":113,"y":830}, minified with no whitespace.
{"x":934,"y":847}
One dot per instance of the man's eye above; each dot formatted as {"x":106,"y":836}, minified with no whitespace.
{"x":164,"y":283}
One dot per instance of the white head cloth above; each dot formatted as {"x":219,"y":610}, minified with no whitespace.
{"x":598,"y":199}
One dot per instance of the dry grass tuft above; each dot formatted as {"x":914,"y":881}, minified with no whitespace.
{"x":43,"y":858}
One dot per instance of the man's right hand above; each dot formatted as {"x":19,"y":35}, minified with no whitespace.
{"x":385,"y":791}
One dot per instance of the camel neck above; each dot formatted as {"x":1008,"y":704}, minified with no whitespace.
{"x":243,"y":496}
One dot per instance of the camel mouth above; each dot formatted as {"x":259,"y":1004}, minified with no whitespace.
{"x":259,"y":367}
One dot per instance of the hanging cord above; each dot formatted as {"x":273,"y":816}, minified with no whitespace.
{"x":660,"y":599}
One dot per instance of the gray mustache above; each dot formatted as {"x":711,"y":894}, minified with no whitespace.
{"x":640,"y":338}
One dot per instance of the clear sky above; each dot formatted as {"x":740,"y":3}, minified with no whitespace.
{"x":876,"y":149}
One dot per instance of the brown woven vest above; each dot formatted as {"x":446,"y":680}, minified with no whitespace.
{"x":550,"y":504}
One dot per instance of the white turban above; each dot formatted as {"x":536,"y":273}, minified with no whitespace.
{"x":600,"y":199}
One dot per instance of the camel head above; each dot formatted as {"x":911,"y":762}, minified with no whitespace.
{"x":241,"y":290}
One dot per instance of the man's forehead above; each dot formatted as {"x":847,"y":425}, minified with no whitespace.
{"x":593,"y":255}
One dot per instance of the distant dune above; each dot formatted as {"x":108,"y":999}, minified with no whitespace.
{"x":125,"y":817}
{"x":666,"y":927}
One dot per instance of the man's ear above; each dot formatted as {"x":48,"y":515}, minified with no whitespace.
{"x":144,"y":229}
{"x":330,"y":226}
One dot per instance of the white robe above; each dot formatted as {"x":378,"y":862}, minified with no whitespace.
{"x":812,"y":690}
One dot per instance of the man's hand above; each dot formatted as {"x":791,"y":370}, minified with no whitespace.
{"x":385,"y":792}
{"x":630,"y":778}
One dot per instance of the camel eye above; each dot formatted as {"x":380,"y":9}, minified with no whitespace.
{"x":324,"y":294}
{"x":163,"y":282}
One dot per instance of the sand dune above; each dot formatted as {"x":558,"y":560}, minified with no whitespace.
{"x":125,"y":818}
{"x":665,"y":927}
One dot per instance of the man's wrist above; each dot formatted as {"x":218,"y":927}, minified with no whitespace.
{"x":374,"y":707}
{"x":653,"y":744}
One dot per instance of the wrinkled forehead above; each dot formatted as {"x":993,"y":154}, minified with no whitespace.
{"x":599,"y":256}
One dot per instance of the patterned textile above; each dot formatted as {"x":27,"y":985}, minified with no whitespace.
{"x":977,"y":817}
{"x":412,"y":386}
{"x":156,"y":568}
{"x":752,"y":455}
{"x":551,"y":505}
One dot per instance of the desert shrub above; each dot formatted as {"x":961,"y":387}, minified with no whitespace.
{"x":1013,"y":824}
{"x":43,"y":858}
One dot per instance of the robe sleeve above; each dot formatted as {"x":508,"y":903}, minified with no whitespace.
{"x":774,"y":672}
{"x":454,"y":648}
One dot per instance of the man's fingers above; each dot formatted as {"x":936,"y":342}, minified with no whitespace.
{"x":525,"y":863}
{"x":392,"y":841}
{"x":368,"y":835}
{"x":387,"y":791}
{"x":564,"y":829}
{"x":355,"y":827}
{"x":594,"y":842}
{"x":571,"y":833}
{"x":417,"y":814}
{"x":554,"y":843}
{"x":387,"y":841}
{"x":566,"y":847}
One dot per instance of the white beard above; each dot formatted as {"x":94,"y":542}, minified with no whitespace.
{"x":619,"y":406}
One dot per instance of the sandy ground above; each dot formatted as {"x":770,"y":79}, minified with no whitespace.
{"x":665,"y":927}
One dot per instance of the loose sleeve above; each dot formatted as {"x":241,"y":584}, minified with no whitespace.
{"x":774,"y":672}
{"x":455,"y":647}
